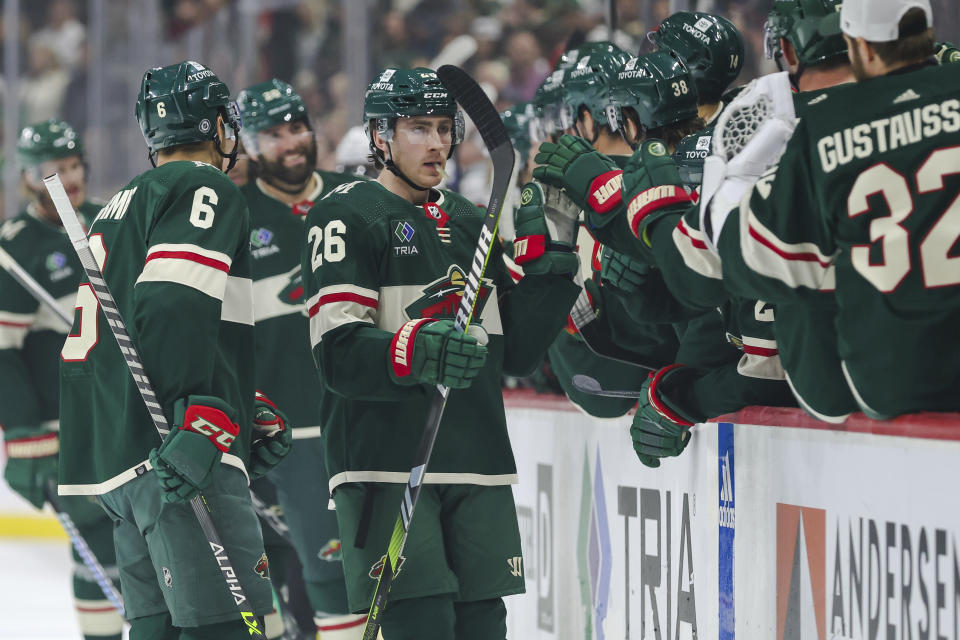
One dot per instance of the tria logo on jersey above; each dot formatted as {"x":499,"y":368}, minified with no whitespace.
{"x":57,"y":266}
{"x":404,"y":232}
{"x":442,"y":297}
{"x":261,"y":243}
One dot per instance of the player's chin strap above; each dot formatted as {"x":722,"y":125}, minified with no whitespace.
{"x":395,"y":170}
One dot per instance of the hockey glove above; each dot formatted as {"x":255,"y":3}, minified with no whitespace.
{"x":272,"y":437}
{"x":660,"y":427}
{"x":204,"y":427}
{"x":546,"y":227}
{"x":31,"y":462}
{"x":591,"y":179}
{"x":427,"y":351}
{"x":621,"y":271}
{"x":652,"y":188}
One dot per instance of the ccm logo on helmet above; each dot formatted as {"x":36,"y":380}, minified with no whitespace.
{"x":435,"y":95}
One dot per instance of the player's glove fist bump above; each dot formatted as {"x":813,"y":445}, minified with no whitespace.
{"x":272,"y":436}
{"x":427,"y":351}
{"x":661,"y":428}
{"x":546,"y":229}
{"x":621,"y":271}
{"x":204,"y":427}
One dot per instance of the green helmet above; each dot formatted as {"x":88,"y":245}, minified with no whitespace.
{"x":48,"y":140}
{"x":798,"y":22}
{"x":519,"y":121}
{"x":548,"y":103}
{"x":588,"y":83}
{"x":710,"y":45}
{"x":179,"y":104}
{"x":396,"y":93}
{"x":266,"y":105}
{"x":657,"y":86}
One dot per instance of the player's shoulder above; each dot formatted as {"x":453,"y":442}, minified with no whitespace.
{"x":357,"y":202}
{"x":455,"y":205}
{"x":329,"y":180}
{"x":16,"y":229}
{"x":184,"y":175}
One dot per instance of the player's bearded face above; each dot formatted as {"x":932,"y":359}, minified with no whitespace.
{"x":420,"y":147}
{"x":287,"y":152}
{"x":73,"y":175}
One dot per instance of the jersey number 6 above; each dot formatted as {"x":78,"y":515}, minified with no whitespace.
{"x":328,"y":243}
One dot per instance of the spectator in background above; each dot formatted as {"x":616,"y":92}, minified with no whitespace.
{"x":528,"y":68}
{"x":63,"y":33}
{"x":43,"y":88}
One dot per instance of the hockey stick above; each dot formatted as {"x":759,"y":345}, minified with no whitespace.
{"x":33,"y":287}
{"x":84,"y":551}
{"x":586,"y":384}
{"x":98,"y":283}
{"x":476,"y":104}
{"x":598,"y":342}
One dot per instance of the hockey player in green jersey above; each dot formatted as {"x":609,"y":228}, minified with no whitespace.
{"x":385,"y":264}
{"x":669,"y":231}
{"x":856,"y":203}
{"x":278,"y":136}
{"x":585,"y":96}
{"x":174,"y":248}
{"x":30,"y":338}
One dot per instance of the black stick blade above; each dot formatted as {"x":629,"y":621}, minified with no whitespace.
{"x":475,"y":102}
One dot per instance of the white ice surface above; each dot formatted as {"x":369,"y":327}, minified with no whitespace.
{"x":36,"y":591}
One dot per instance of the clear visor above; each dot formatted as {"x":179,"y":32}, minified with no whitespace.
{"x":771,"y":43}
{"x":422,"y":130}
{"x":234,"y":120}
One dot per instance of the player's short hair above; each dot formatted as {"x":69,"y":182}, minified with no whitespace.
{"x":673,"y":133}
{"x":916,"y":41}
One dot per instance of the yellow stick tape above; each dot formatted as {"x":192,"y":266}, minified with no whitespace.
{"x":45,"y":527}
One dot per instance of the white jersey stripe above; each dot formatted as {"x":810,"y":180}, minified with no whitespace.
{"x":206,"y":279}
{"x":238,"y":301}
{"x":14,"y":328}
{"x":796,"y":265}
{"x":132,"y":473}
{"x":690,"y":243}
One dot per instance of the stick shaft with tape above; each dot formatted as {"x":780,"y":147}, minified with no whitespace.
{"x":98,"y":283}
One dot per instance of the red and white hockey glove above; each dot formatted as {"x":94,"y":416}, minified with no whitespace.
{"x":272,"y":437}
{"x":435,"y":352}
{"x":204,"y":427}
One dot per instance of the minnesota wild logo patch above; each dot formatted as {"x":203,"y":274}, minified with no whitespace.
{"x":441,"y":297}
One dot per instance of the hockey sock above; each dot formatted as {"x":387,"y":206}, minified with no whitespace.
{"x":343,"y":627}
{"x":481,"y":620}
{"x":429,"y":618}
{"x":155,"y":627}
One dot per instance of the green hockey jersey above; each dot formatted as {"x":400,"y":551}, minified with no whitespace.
{"x":373,"y":261}
{"x":285,"y":369}
{"x":862,"y":203}
{"x":31,"y":334}
{"x":174,"y":249}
